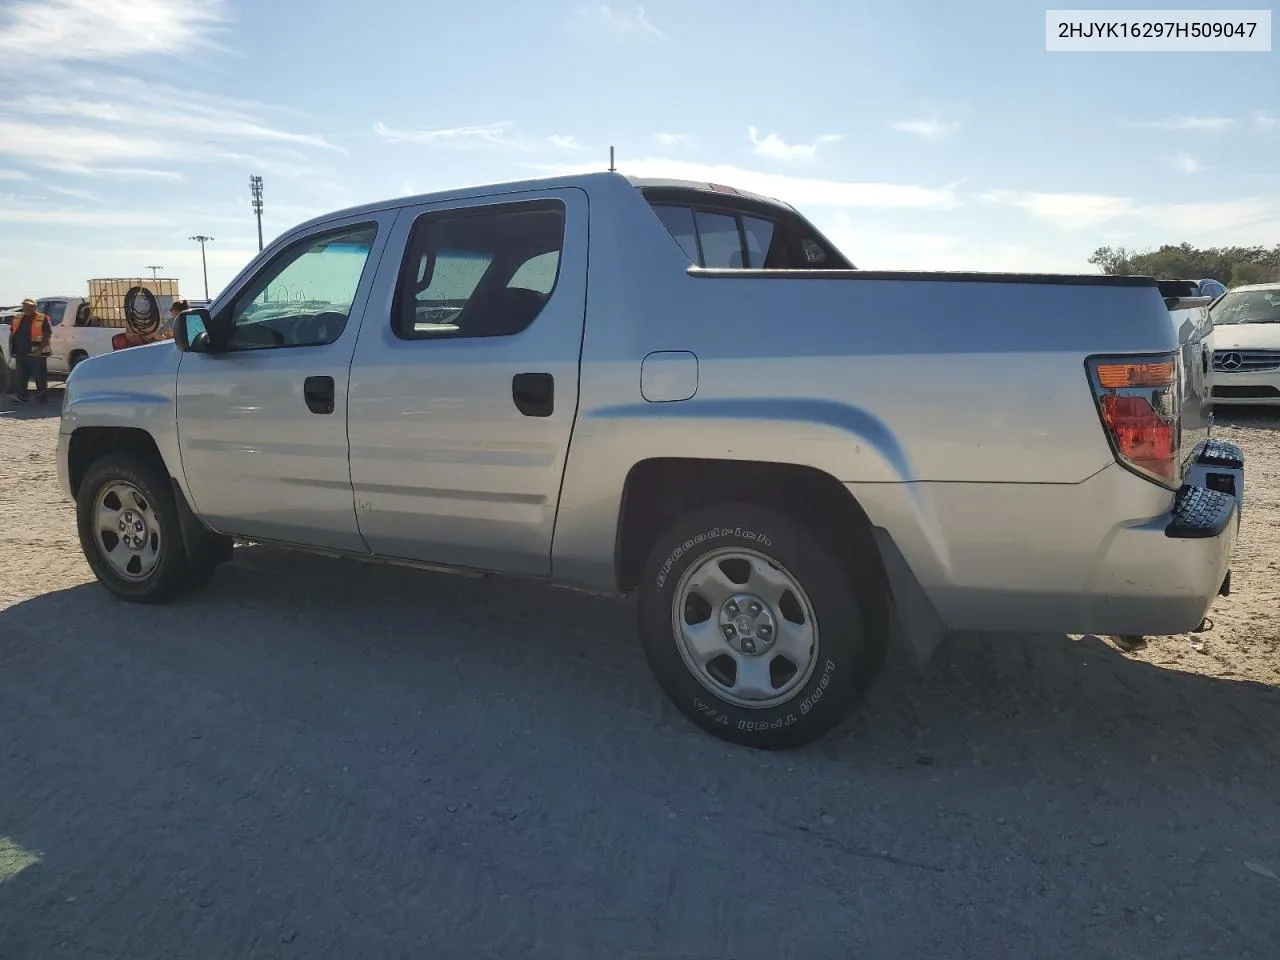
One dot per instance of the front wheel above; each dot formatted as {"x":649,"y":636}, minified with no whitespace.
{"x":130,"y":531}
{"x":753,"y":628}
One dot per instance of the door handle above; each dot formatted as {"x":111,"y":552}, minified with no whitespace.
{"x":318,"y":392}
{"x":534,"y":393}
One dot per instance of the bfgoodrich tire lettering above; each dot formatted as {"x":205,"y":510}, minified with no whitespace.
{"x":788,"y":613}
{"x":152,"y":566}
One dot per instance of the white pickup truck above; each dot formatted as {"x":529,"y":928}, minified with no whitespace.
{"x":682,"y":392}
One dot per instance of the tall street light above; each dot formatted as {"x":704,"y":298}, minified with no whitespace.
{"x":255,"y":190}
{"x":153,"y":271}
{"x":202,"y":239}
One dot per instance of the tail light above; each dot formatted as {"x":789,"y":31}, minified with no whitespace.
{"x":119,"y":341}
{"x":1140,"y":405}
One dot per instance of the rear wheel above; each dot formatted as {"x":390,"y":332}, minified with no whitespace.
{"x":75,"y":359}
{"x":753,"y":627}
{"x":130,"y":530}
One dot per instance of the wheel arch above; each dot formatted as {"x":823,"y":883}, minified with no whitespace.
{"x":88,"y":445}
{"x":658,"y":490}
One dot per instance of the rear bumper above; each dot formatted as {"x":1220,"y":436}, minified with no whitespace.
{"x":1176,"y":565}
{"x":1063,"y":558}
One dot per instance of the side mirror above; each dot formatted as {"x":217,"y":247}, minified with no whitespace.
{"x":191,"y":330}
{"x":197,"y":331}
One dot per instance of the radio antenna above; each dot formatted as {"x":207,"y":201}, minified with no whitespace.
{"x":612,"y":168}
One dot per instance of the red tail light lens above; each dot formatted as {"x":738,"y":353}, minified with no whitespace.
{"x":1139,"y":402}
{"x":119,"y":341}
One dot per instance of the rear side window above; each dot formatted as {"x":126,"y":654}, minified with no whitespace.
{"x":54,"y":309}
{"x":679,"y":222}
{"x":720,"y":240}
{"x":759,"y":237}
{"x":479,"y":272}
{"x":723,"y":238}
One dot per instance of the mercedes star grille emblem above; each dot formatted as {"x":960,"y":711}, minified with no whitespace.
{"x":1231,"y":361}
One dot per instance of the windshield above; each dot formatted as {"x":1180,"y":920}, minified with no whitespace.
{"x":1247,"y":306}
{"x":54,"y":309}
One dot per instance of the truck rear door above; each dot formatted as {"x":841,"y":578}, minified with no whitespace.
{"x":464,"y":384}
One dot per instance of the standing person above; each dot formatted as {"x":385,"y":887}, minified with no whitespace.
{"x":178,"y":306}
{"x":29,"y":335}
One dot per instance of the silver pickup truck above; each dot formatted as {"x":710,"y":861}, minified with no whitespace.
{"x":686,"y":393}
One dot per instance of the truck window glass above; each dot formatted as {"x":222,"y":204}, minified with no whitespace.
{"x":54,"y":309}
{"x":484,"y":273}
{"x":679,"y":223}
{"x":538,"y":274}
{"x":304,"y":298}
{"x":719,"y":238}
{"x":759,"y":234}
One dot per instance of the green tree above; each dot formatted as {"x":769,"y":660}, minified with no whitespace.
{"x":1230,"y":265}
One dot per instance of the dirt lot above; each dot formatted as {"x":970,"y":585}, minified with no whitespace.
{"x":324,"y":759}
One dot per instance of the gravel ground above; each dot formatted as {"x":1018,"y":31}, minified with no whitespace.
{"x":327,"y":759}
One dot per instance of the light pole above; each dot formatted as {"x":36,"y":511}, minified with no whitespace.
{"x":202,"y":239}
{"x":255,"y":190}
{"x":153,"y":271}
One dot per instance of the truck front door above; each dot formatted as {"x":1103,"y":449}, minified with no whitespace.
{"x":262,"y":425}
{"x":464,"y":385}
{"x":61,"y":333}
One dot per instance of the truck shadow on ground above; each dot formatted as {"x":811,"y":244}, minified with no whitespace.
{"x":983,"y":699}
{"x":296,"y":694}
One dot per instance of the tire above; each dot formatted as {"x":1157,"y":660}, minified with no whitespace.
{"x":75,"y":359}
{"x":143,"y":494}
{"x":793,"y":702}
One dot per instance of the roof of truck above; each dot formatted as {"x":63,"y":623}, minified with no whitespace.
{"x":579,"y":180}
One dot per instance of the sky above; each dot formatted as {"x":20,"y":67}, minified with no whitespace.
{"x":916,"y":135}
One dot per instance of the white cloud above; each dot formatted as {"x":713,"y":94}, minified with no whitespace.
{"x":799,"y":191}
{"x":773,"y":146}
{"x":1211,"y":124}
{"x":1247,"y":222}
{"x":1185,"y":162}
{"x":673,"y":139}
{"x":169,"y":110}
{"x":872,"y":246}
{"x":82,"y":218}
{"x":51,"y":30}
{"x":927,"y":129}
{"x":618,"y":20}
{"x":132,"y":173}
{"x":79,"y":149}
{"x":1067,"y":211}
{"x":463,"y":138}
{"x":76,"y":193}
{"x":118,"y":128}
{"x":483,"y":136}
{"x":1267,"y":121}
{"x":14,"y":175}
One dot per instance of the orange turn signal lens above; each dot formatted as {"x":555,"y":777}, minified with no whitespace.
{"x":1115,"y":376}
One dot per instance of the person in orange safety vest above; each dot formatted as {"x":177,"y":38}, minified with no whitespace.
{"x":29,"y":335}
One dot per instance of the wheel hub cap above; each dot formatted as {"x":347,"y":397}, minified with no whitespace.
{"x":133,"y":530}
{"x":748,"y":624}
{"x":745,"y":628}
